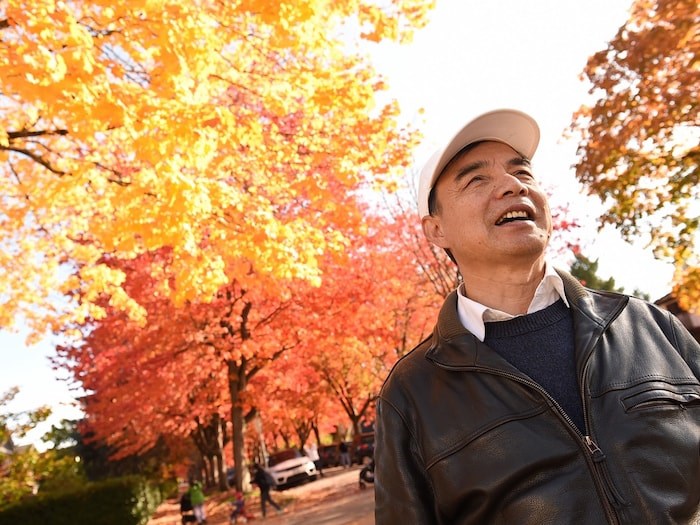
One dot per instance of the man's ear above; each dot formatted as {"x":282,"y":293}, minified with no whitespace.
{"x":432,"y":229}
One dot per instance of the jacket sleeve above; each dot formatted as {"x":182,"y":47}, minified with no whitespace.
{"x":403,"y":493}
{"x":687,"y":346}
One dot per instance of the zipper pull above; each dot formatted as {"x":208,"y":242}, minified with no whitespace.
{"x":594,"y":449}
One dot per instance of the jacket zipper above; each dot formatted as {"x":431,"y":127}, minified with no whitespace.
{"x":595,"y":457}
{"x":598,"y":456}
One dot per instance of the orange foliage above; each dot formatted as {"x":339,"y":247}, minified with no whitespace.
{"x":229,"y":132}
{"x":185,"y":365}
{"x":639,"y":150}
{"x":323,"y":352}
{"x":370,"y":310}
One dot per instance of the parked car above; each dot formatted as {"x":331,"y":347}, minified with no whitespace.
{"x":330,"y":455}
{"x":291,"y":467}
{"x":363,"y":448}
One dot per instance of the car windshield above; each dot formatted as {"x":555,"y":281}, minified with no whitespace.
{"x":284,"y":455}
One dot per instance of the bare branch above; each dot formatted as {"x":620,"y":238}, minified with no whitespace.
{"x":36,"y":158}
{"x":25,"y":133}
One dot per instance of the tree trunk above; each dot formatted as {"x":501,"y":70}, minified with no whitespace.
{"x":220,"y":464}
{"x":236,"y":385}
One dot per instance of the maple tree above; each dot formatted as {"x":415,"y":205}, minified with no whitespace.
{"x":290,"y":400}
{"x":185,"y":373}
{"x":144,"y":384}
{"x":192,"y":370}
{"x":230,"y":136}
{"x":232,"y":133}
{"x":372,"y":306}
{"x":375,"y":306}
{"x":639,"y":149}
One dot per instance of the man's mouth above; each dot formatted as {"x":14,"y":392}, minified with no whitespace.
{"x":512,"y":216}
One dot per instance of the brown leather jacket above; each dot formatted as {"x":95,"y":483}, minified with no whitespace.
{"x":463,"y":437}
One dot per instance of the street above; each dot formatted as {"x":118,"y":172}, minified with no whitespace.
{"x":335,"y":499}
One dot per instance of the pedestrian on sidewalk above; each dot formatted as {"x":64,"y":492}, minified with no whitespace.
{"x":265,"y":482}
{"x":197,"y":499}
{"x":311,"y":450}
{"x":344,"y":455}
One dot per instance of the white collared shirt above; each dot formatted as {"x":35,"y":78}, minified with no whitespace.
{"x":474,"y":315}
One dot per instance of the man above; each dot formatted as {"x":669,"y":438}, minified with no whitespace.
{"x":345,"y":460}
{"x":265,"y":482}
{"x":534,"y":400}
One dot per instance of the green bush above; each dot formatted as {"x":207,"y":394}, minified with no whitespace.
{"x":120,"y":501}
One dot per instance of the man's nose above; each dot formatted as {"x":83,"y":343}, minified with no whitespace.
{"x":511,"y":185}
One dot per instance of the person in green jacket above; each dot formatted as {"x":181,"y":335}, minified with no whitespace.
{"x":197,"y":498}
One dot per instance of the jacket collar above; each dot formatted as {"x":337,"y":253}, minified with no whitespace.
{"x":452,"y":345}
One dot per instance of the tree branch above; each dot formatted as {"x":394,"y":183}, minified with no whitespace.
{"x":23,"y":134}
{"x":36,"y":158}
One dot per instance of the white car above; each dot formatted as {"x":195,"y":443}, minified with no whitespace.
{"x":291,"y":467}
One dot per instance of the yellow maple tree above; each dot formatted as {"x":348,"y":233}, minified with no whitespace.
{"x":235,"y":133}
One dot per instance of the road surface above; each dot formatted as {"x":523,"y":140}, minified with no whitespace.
{"x":335,"y":499}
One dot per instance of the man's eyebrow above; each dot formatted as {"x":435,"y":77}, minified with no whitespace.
{"x":466,"y":170}
{"x":480,"y":164}
{"x":519,"y":161}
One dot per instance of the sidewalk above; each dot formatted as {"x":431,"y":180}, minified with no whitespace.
{"x":335,"y":499}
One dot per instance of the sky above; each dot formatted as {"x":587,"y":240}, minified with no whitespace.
{"x":473,"y":56}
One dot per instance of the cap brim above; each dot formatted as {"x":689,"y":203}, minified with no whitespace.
{"x":510,"y":126}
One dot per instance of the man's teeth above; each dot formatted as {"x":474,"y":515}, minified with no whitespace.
{"x":511,"y":215}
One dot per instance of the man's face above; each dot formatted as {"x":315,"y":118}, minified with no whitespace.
{"x":490,"y":209}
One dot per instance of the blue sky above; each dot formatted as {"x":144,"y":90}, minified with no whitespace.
{"x":29,"y":368}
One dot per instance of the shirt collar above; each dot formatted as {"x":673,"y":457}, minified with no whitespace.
{"x":474,"y":315}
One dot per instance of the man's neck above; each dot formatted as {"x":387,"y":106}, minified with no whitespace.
{"x":504,"y":288}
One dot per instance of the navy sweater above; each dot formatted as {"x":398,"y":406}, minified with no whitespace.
{"x":541,"y":345}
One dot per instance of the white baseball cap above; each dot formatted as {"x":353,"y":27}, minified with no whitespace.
{"x":510,"y":126}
